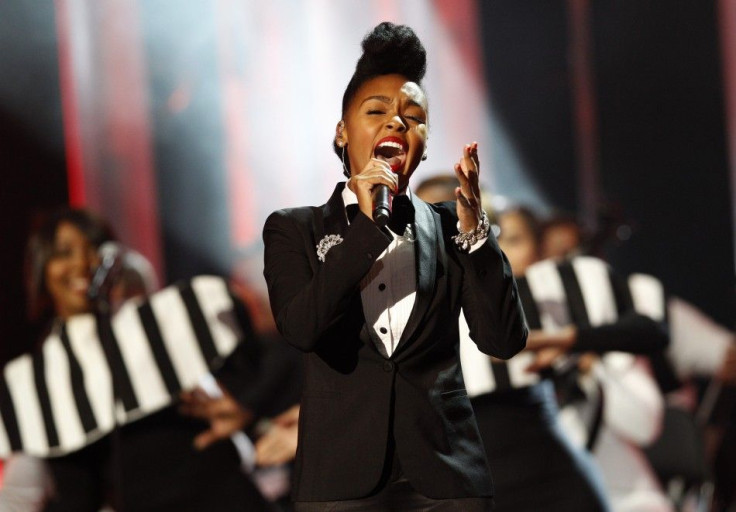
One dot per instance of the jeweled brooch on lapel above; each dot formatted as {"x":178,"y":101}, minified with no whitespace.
{"x":327,"y":243}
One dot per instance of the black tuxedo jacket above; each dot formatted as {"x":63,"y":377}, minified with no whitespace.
{"x":353,"y":396}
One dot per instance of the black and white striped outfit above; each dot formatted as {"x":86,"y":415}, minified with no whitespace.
{"x":583,"y":292}
{"x":97,"y":400}
{"x":535,"y":466}
{"x":60,"y":398}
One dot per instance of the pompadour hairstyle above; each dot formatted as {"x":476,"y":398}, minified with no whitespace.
{"x":387,"y":49}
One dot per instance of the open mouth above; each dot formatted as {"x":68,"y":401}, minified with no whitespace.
{"x":391,"y":150}
{"x":79,"y":285}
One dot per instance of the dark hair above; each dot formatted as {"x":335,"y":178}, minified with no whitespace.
{"x":558,"y":219}
{"x":387,"y":49}
{"x":565,"y":219}
{"x":447,"y":183}
{"x":40,"y":249}
{"x":528,"y":217}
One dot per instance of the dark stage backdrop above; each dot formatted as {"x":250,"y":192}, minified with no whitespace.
{"x":525,"y":45}
{"x":662,"y":169}
{"x":664,"y":158}
{"x":32,"y":161}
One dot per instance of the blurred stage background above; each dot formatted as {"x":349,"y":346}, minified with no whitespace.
{"x":186,"y":123}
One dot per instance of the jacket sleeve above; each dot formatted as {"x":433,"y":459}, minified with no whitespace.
{"x":274,"y":387}
{"x":634,"y":332}
{"x":491,"y":301}
{"x":307,"y":297}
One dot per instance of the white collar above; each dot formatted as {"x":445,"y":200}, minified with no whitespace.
{"x":349,"y":197}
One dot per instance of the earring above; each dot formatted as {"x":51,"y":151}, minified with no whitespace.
{"x":424,"y":157}
{"x":339,"y":143}
{"x":345,"y":170}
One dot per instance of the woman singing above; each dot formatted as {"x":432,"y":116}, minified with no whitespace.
{"x":385,"y":420}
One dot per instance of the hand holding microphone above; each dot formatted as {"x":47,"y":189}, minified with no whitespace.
{"x":381,"y":205}
{"x":374,"y":186}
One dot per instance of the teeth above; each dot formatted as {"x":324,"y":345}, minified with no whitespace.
{"x":391,"y":144}
{"x":79,"y":284}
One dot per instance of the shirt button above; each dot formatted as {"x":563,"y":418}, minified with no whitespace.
{"x":388,"y":366}
{"x":381,"y":286}
{"x":383,"y":330}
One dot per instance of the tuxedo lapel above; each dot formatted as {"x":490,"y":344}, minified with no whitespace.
{"x":334,"y":221}
{"x":428,"y":244}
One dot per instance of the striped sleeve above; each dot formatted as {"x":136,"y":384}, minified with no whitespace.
{"x":58,"y":381}
{"x":95,"y":372}
{"x":22,"y":389}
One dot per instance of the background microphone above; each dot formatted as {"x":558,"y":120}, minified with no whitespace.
{"x":381,"y":204}
{"x":111,"y":255}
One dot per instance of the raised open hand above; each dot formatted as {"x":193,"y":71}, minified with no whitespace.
{"x":468,"y":193}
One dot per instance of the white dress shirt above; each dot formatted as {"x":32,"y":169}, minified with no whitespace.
{"x":698,"y":345}
{"x":389,"y":289}
{"x":633,"y":408}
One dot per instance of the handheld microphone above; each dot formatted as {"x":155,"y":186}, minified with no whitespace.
{"x":111,"y":254}
{"x":381,"y":205}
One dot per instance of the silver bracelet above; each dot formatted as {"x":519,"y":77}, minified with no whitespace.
{"x":467,"y":240}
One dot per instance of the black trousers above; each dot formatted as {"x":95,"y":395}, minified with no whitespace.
{"x":151,"y":466}
{"x":533,"y":465}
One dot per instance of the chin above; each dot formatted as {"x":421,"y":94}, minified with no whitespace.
{"x":81,"y":307}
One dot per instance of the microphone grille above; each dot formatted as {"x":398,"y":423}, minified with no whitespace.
{"x":110,"y":250}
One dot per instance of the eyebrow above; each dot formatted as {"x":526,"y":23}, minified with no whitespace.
{"x":386,"y":99}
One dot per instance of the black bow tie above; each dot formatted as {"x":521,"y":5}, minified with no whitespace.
{"x":402,"y":214}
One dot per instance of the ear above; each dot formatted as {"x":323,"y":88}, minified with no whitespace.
{"x":341,"y":136}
